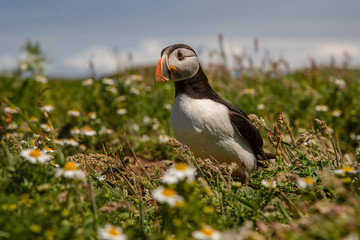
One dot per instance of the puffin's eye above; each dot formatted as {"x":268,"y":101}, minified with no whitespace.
{"x":180,"y":55}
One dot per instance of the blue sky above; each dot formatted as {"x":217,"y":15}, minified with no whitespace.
{"x":70,"y":32}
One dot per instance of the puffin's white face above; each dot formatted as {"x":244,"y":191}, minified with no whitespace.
{"x":177,"y":64}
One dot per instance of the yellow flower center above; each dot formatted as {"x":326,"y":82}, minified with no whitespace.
{"x":309,"y":180}
{"x":347,"y":169}
{"x":168,"y":192}
{"x":112,"y":231}
{"x":74,"y":110}
{"x":87,"y":128}
{"x":35,"y":153}
{"x":181,"y":166}
{"x":70,"y":166}
{"x":207,"y":231}
{"x":48,"y":149}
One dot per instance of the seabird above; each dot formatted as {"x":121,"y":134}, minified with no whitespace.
{"x":202,"y":120}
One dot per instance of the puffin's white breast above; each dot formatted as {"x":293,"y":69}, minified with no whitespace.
{"x":204,"y":126}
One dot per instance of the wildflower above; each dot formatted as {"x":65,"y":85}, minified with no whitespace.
{"x":103,"y":130}
{"x":48,"y":108}
{"x":121,"y":111}
{"x":121,"y":98}
{"x":88,"y":131}
{"x":108,"y":81}
{"x":70,"y":170}
{"x":260,"y":106}
{"x":48,"y":150}
{"x":269,"y":183}
{"x":73,"y":112}
{"x":82,"y":147}
{"x":134,"y":91}
{"x":339,"y":82}
{"x":163,"y":138}
{"x":12,"y":126}
{"x":23,"y":66}
{"x":11,"y":110}
{"x":101,"y":178}
{"x":144,"y":138}
{"x":167,"y":106}
{"x":110,"y":232}
{"x":111,"y":89}
{"x":92,"y":115}
{"x":75,"y":131}
{"x":35,"y":155}
{"x":249,"y":91}
{"x":59,"y":142}
{"x":337,"y":113}
{"x":136,"y":77}
{"x":87,"y":82}
{"x":321,"y":108}
{"x":168,"y":196}
{"x":207,"y":233}
{"x":135,"y":127}
{"x":71,"y":142}
{"x":178,"y":172}
{"x":344,"y":170}
{"x":40,"y":78}
{"x":33,"y":119}
{"x":305,"y":182}
{"x":147,"y":120}
{"x":45,"y":127}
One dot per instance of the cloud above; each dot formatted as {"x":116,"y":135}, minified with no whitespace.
{"x":102,"y":58}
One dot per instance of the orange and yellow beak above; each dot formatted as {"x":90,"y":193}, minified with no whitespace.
{"x":163,"y":70}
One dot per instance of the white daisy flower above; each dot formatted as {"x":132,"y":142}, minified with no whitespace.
{"x":88,"y":131}
{"x":82,"y":147}
{"x":321,"y":108}
{"x":269,"y":183}
{"x":48,"y":150}
{"x":337,"y":113}
{"x":111,"y":89}
{"x":147,"y":120}
{"x":87,"y":82}
{"x":144,"y":138}
{"x":12,"y":125}
{"x":339,"y":82}
{"x":75,"y":131}
{"x":73,"y":112}
{"x":122,"y":111}
{"x":168,"y":196}
{"x":136,"y":78}
{"x":249,"y":91}
{"x":134,"y":91}
{"x":33,"y":119}
{"x":260,"y":106}
{"x":110,"y":232}
{"x":207,"y":233}
{"x":23,"y":66}
{"x":71,"y":142}
{"x":344,"y":170}
{"x":59,"y":142}
{"x":178,"y":172}
{"x":163,"y":138}
{"x":108,"y":81}
{"x":70,"y":170}
{"x":48,"y":108}
{"x":40,"y":78}
{"x":35,"y":155}
{"x":92,"y":115}
{"x":135,"y":127}
{"x":45,"y":127}
{"x":108,"y":131}
{"x":305,"y":182}
{"x":167,"y":106}
{"x":11,"y":110}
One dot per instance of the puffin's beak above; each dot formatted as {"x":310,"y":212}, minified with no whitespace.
{"x":162,"y":72}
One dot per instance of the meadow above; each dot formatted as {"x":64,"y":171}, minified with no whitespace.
{"x":95,"y":158}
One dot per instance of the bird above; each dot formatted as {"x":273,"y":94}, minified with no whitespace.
{"x":200,"y":119}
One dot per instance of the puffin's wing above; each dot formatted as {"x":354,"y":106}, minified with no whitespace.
{"x":248,"y":131}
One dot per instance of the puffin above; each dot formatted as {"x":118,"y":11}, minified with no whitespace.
{"x":210,"y":126}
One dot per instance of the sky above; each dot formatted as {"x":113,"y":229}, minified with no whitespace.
{"x":73,"y":32}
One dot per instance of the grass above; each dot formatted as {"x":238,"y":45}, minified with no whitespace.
{"x":308,"y":117}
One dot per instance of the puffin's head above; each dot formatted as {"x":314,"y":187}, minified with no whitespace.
{"x":178,"y":62}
